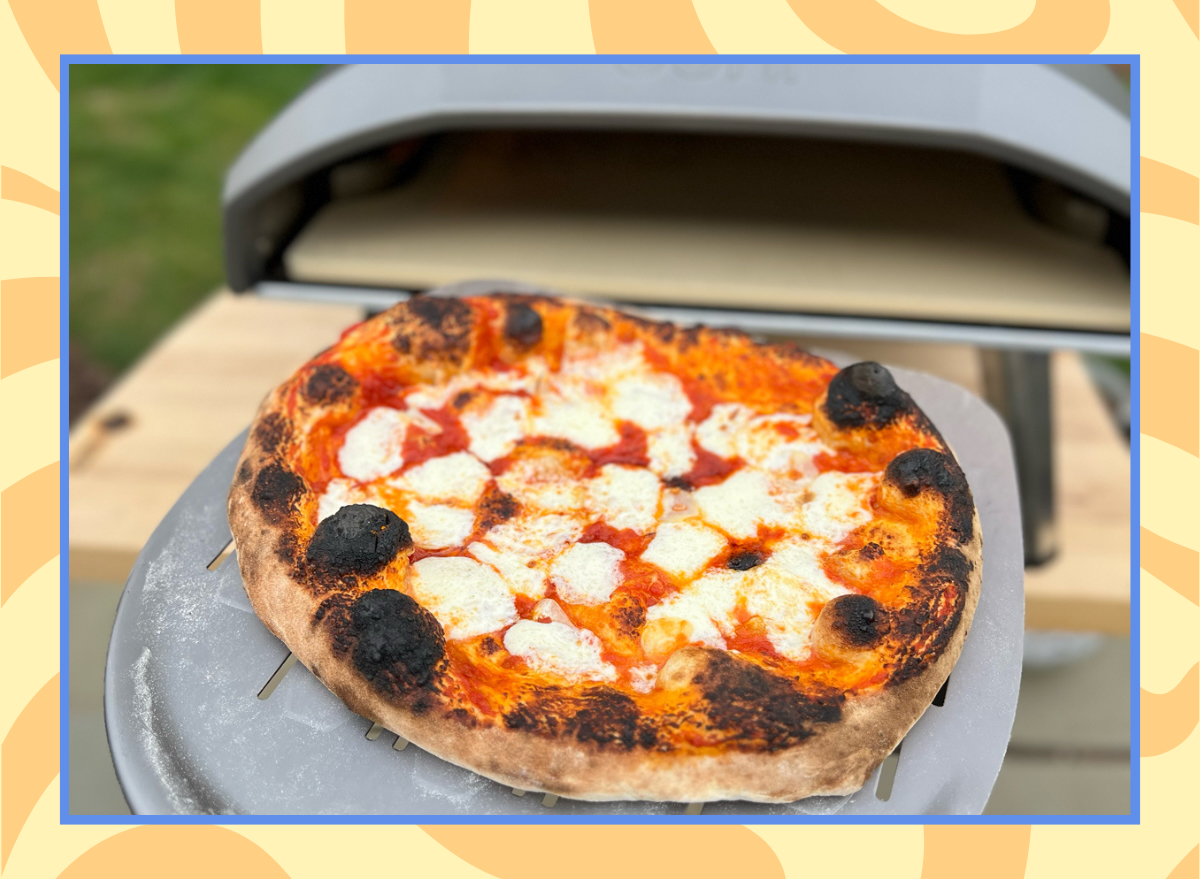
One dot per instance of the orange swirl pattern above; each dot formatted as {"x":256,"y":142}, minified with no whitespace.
{"x":1174,"y":564}
{"x":1171,"y":393}
{"x":984,"y":852}
{"x":218,"y":27}
{"x":642,"y":26}
{"x":866,"y":26}
{"x":1170,"y":718}
{"x":179,"y":852}
{"x":407,"y":26}
{"x":28,"y":323}
{"x":16,"y":186}
{"x":1170,"y":192}
{"x":39,"y":30}
{"x":29,"y":757}
{"x":58,"y":27}
{"x":506,"y":852}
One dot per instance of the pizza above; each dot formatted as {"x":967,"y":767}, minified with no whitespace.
{"x":584,"y":553}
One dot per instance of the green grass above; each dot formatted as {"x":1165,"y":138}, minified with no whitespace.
{"x":149,"y":146}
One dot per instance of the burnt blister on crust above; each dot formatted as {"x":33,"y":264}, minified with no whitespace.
{"x":272,"y":432}
{"x":600,"y":715}
{"x":920,"y":470}
{"x":522,"y":324}
{"x":763,"y":711}
{"x":276,"y":492}
{"x":329,"y":383}
{"x":860,"y":621}
{"x":865,"y":395}
{"x":924,"y":628}
{"x":444,"y":330}
{"x":357,"y":540}
{"x":399,"y":644}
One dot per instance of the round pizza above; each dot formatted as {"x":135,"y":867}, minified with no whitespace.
{"x":580,"y":552}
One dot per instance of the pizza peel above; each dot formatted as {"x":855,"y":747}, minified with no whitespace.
{"x":206,"y":713}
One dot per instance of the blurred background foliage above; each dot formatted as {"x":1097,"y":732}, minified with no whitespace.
{"x":149,"y":147}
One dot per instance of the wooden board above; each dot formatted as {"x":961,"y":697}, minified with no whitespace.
{"x":847,"y":229}
{"x":183,"y":402}
{"x":200,"y":386}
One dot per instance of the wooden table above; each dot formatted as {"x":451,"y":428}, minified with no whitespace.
{"x":141,"y":445}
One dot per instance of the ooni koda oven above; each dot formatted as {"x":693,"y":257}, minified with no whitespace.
{"x":207,"y":712}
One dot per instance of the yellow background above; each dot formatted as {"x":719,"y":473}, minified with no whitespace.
{"x":34,"y":32}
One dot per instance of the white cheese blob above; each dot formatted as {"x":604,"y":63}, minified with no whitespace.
{"x":787,"y":592}
{"x":515,"y":570}
{"x":740,"y":504}
{"x":375,"y":446}
{"x":540,"y":479}
{"x":840,"y":503}
{"x":642,"y":678}
{"x":560,"y":649}
{"x":436,"y":526}
{"x":468,"y":598}
{"x":625,"y":497}
{"x":683,"y":548}
{"x":535,"y":536}
{"x":650,"y":400}
{"x":495,"y":427}
{"x":711,"y":598}
{"x":340,"y":493}
{"x":587,"y":573}
{"x":670,"y":451}
{"x":718,"y":433}
{"x":458,"y":478}
{"x":474,"y":381}
{"x":779,"y":443}
{"x":580,"y":420}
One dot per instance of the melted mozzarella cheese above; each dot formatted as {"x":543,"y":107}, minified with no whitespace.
{"x":587,"y":365}
{"x":587,"y":573}
{"x":840,"y":503}
{"x":468,"y":598}
{"x":711,"y":598}
{"x":779,"y":444}
{"x":533,"y":536}
{"x":683,"y":548}
{"x":543,"y":481}
{"x":492,"y":382}
{"x":495,"y":427}
{"x":642,"y":677}
{"x":625,"y":497}
{"x":787,"y":593}
{"x":515,"y":570}
{"x":375,"y":446}
{"x":577,"y":419}
{"x":340,"y":493}
{"x":718,"y":433}
{"x":436,"y":526}
{"x":457,"y":478}
{"x":740,"y":504}
{"x":651,"y":400}
{"x":670,"y":451}
{"x":560,"y":649}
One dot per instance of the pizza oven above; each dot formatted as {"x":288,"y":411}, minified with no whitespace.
{"x":920,"y":202}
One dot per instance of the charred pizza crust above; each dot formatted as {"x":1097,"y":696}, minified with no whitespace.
{"x":725,"y":726}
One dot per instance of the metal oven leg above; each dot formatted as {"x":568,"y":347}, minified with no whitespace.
{"x":1018,"y":386}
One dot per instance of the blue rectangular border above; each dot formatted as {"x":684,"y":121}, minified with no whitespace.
{"x":1134,"y":62}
